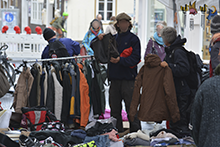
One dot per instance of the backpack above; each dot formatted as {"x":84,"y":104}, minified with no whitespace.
{"x":53,"y":20}
{"x":57,"y":50}
{"x":195,"y":77}
{"x":36,"y":116}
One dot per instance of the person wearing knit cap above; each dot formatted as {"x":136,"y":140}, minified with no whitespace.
{"x":215,"y":43}
{"x":73,"y":47}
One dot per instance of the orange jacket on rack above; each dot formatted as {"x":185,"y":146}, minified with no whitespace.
{"x":84,"y":99}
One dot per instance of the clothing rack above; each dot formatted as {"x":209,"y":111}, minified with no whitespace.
{"x":56,"y":59}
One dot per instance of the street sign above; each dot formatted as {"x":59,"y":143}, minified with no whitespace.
{"x":9,"y":17}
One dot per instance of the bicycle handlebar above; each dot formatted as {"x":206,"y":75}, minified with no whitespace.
{"x":4,"y":47}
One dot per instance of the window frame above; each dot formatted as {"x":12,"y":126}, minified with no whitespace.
{"x":105,"y":9}
{"x":38,"y":12}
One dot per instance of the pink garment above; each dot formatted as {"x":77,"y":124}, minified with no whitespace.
{"x":113,"y":135}
{"x":107,"y":115}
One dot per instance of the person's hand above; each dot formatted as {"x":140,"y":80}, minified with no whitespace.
{"x":101,"y":36}
{"x":115,"y":60}
{"x":163,"y":64}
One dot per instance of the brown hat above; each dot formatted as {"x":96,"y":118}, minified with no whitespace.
{"x":122,"y":16}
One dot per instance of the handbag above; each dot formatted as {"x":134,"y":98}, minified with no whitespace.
{"x":153,"y":50}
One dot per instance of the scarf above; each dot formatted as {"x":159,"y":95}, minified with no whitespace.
{"x":158,"y":39}
{"x":95,"y":32}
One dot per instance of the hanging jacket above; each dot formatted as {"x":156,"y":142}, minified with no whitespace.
{"x":73,"y":92}
{"x":158,"y":101}
{"x":104,"y":49}
{"x":57,"y":67}
{"x":45,"y":86}
{"x":89,"y":77}
{"x":22,"y":90}
{"x":42,"y":78}
{"x":77,"y":108}
{"x":34,"y":97}
{"x":98,"y":90}
{"x":84,"y":99}
{"x":66,"y":96}
{"x":58,"y":95}
{"x":50,"y":91}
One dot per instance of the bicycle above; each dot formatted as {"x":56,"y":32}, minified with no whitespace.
{"x":7,"y":67}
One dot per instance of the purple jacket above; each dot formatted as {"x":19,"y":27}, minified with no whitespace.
{"x":159,"y":49}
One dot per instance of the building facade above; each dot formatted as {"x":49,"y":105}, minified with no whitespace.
{"x":31,"y":13}
{"x":84,"y":11}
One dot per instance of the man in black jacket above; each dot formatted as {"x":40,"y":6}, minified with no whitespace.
{"x":176,"y":58}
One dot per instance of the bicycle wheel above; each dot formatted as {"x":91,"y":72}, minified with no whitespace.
{"x":10,"y":73}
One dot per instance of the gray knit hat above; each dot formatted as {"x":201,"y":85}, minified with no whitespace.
{"x":215,"y":24}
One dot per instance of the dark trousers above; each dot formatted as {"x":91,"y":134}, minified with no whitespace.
{"x":122,"y":90}
{"x":182,"y":126}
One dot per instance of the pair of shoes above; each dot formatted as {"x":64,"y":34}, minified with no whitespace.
{"x":28,"y":142}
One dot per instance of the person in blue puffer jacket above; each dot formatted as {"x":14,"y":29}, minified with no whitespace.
{"x":94,"y":30}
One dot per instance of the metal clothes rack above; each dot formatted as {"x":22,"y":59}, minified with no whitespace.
{"x":57,"y":59}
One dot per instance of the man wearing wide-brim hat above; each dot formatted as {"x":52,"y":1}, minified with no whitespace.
{"x":123,"y":70}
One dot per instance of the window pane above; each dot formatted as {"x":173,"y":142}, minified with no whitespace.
{"x":109,"y":0}
{"x":109,"y":14}
{"x":39,"y":11}
{"x":34,"y":11}
{"x":109,"y":6}
{"x":35,"y":15}
{"x":101,"y":0}
{"x":101,"y":6}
